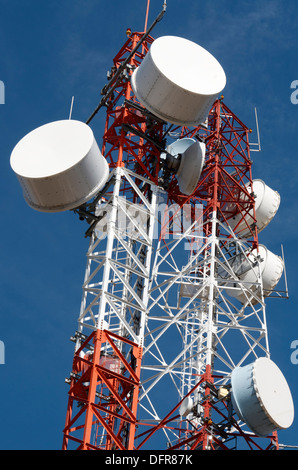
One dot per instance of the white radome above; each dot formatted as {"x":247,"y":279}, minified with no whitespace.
{"x":59,"y":166}
{"x":178,"y":81}
{"x":261,"y":397}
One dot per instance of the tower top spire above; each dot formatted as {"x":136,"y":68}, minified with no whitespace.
{"x":147,"y":14}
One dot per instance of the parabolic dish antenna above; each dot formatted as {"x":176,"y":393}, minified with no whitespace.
{"x":267,"y":202}
{"x":261,"y":397}
{"x":192,"y":154}
{"x":178,"y":81}
{"x":59,"y":166}
{"x":271,"y":268}
{"x":186,"y":406}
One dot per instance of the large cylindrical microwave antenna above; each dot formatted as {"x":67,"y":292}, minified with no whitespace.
{"x":261,"y":397}
{"x":59,"y":166}
{"x":267,"y":202}
{"x":178,"y":81}
{"x":270,"y":267}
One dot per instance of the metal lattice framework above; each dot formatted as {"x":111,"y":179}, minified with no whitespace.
{"x":158,"y":328}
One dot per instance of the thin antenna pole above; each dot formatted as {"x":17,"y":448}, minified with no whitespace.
{"x":286,"y":282}
{"x":71,"y":106}
{"x":258,"y":144}
{"x":258,"y":133}
{"x":147,"y":14}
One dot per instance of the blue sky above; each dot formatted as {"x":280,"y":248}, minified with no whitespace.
{"x":53,"y":50}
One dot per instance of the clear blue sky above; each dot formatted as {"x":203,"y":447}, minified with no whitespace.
{"x":53,"y":50}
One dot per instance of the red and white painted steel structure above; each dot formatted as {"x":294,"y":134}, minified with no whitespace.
{"x":157,"y":332}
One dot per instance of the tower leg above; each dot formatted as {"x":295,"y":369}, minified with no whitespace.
{"x":105,"y":390}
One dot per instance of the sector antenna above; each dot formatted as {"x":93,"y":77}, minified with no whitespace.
{"x":173,"y":313}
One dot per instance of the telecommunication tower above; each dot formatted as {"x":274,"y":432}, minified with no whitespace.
{"x":171,"y":349}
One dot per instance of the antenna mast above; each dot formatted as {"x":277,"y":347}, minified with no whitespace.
{"x":156,"y":369}
{"x":173,"y":317}
{"x":147,"y":15}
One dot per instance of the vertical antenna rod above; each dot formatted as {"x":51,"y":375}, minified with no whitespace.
{"x":71,"y":106}
{"x":258,"y":144}
{"x":258,"y":132}
{"x":147,"y":14}
{"x":286,"y":282}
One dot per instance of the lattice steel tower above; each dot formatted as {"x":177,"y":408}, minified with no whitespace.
{"x":173,"y":316}
{"x":169,"y":308}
